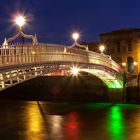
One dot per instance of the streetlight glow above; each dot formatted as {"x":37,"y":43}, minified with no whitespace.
{"x":135,"y":63}
{"x":75,"y":36}
{"x":20,"y":21}
{"x":74,"y":71}
{"x":102,"y":48}
{"x":123,"y":64}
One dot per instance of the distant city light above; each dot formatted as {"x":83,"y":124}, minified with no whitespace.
{"x":123,"y":64}
{"x":135,"y":63}
{"x":102,"y":48}
{"x":20,"y":21}
{"x":74,"y":71}
{"x":75,"y":36}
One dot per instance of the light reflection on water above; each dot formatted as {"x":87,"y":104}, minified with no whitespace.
{"x":34,"y":118}
{"x":34,"y":123}
{"x":57,"y":121}
{"x":56,"y":126}
{"x":72,"y":127}
{"x":116,"y":124}
{"x":134,"y":125}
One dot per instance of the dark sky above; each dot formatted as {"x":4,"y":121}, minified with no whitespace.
{"x":54,"y":20}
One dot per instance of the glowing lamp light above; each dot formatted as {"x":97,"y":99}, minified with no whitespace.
{"x":102,"y":48}
{"x":135,"y":63}
{"x":33,"y":52}
{"x":75,"y":36}
{"x":20,"y":21}
{"x":74,"y":71}
{"x":123,"y":64}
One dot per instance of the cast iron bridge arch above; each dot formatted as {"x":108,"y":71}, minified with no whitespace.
{"x":21,"y":62}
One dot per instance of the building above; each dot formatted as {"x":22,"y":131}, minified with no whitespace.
{"x":124,"y":47}
{"x":92,"y":46}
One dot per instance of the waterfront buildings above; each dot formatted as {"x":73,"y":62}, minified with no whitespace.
{"x":123,"y":46}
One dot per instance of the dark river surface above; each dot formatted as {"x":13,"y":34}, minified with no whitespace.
{"x":33,"y":120}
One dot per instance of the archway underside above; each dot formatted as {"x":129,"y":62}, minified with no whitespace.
{"x":12,"y":77}
{"x":109,"y":79}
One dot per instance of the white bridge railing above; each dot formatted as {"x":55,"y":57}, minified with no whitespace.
{"x":28,"y":53}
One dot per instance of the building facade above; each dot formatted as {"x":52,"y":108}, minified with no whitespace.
{"x":92,"y":46}
{"x":124,"y":47}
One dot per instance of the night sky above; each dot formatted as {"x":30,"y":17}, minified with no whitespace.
{"x":54,"y":20}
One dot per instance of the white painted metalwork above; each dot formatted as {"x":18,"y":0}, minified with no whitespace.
{"x":20,"y":62}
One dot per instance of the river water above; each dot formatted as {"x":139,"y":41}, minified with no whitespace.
{"x":33,"y":120}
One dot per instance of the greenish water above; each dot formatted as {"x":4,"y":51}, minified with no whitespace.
{"x":32,"y":120}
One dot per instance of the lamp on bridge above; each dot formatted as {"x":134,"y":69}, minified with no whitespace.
{"x":102,"y":48}
{"x":20,"y":21}
{"x":75,"y":36}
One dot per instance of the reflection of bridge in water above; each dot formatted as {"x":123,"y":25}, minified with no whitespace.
{"x":22,"y":62}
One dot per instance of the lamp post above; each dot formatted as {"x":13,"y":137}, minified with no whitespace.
{"x":124,"y":82}
{"x":76,"y":36}
{"x":20,"y":21}
{"x":138,"y":80}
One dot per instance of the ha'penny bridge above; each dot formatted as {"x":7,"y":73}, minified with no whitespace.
{"x":23,"y":61}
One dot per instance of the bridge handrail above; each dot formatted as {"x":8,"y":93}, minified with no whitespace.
{"x":44,"y":49}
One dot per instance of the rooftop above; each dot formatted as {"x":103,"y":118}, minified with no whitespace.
{"x":121,"y":31}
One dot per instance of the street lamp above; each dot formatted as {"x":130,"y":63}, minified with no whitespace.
{"x":102,"y":48}
{"x":75,"y":36}
{"x":123,"y":64}
{"x":20,"y":21}
{"x":135,"y":63}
